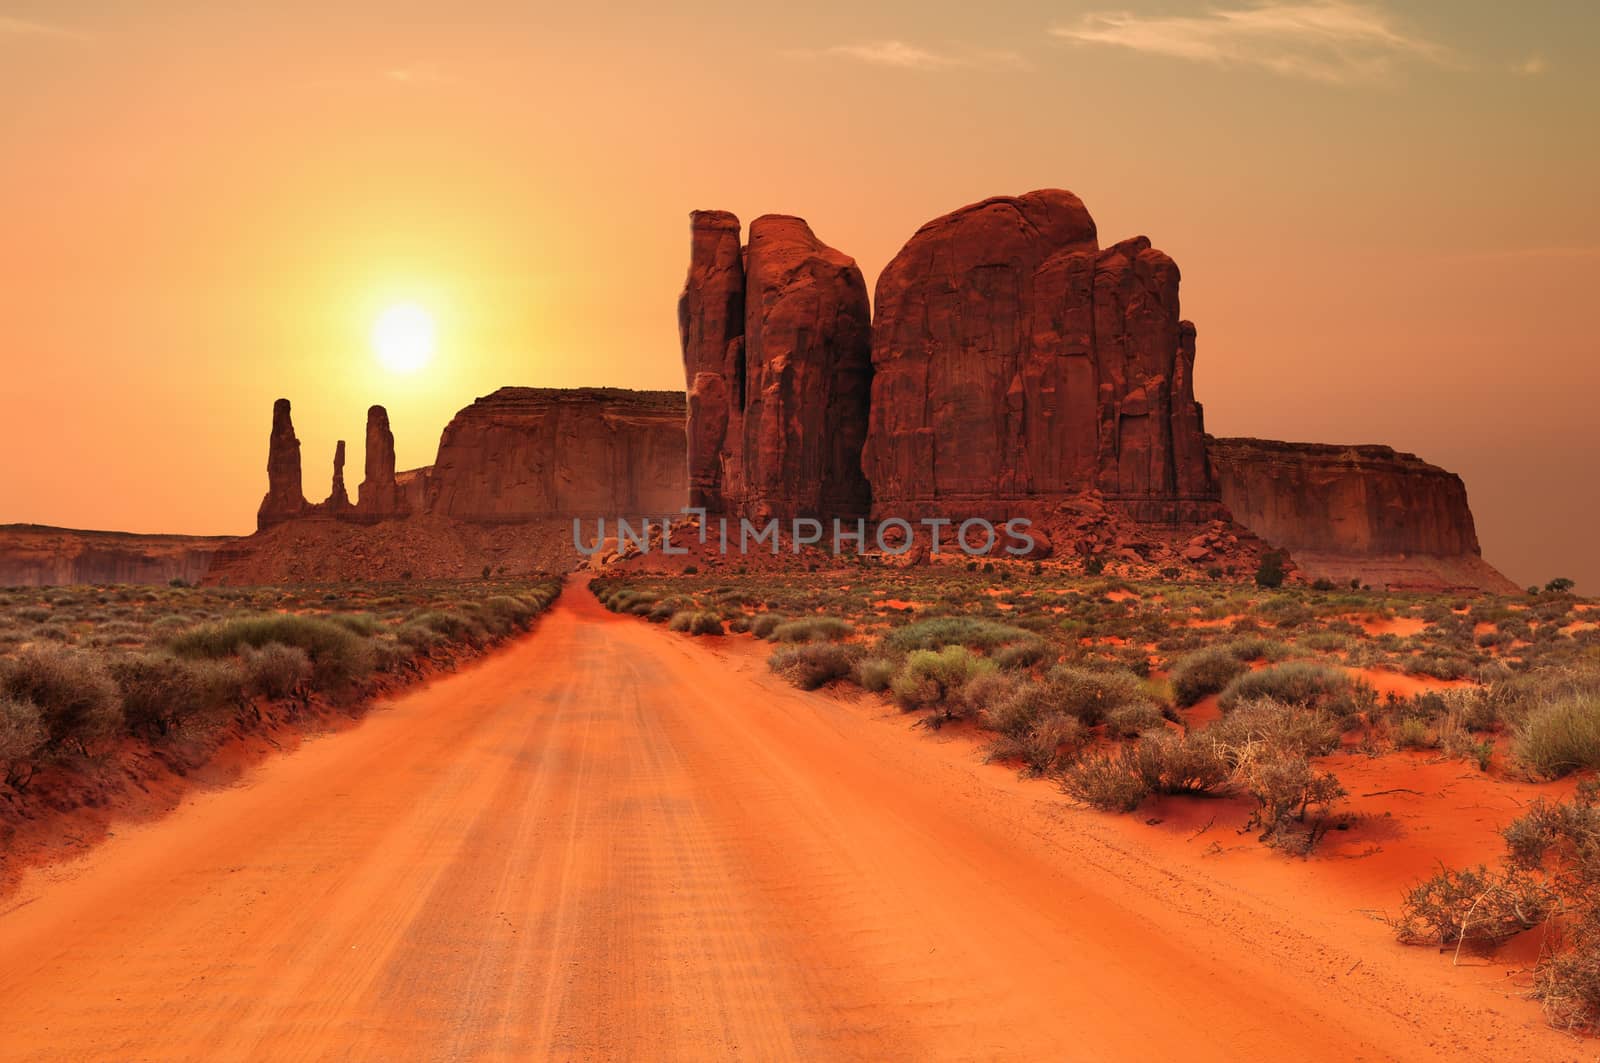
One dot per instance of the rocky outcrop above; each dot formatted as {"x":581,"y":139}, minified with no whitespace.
{"x":379,"y":495}
{"x":1016,"y":364}
{"x":285,"y":498}
{"x":525,"y":453}
{"x":33,"y":555}
{"x":338,"y":498}
{"x":1359,"y":512}
{"x":778,"y":398}
{"x":711,"y":331}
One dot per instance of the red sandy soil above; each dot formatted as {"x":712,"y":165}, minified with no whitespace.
{"x":612,"y":842}
{"x":1404,"y":626}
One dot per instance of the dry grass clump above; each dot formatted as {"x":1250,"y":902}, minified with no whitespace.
{"x":811,"y":629}
{"x":1205,"y":672}
{"x":937,"y":679}
{"x":77,"y":700}
{"x":814,"y":664}
{"x":696,"y":622}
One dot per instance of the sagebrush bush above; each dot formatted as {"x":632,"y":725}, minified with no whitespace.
{"x":1133,"y":719}
{"x":1472,"y":906}
{"x":813,"y":664}
{"x":1299,"y":683}
{"x":932,"y":678}
{"x":1110,"y":782}
{"x":1019,"y":655}
{"x":876,"y":673}
{"x":22,"y":735}
{"x":1204,"y":673}
{"x":276,"y":670}
{"x":77,"y":700}
{"x":1092,"y":694}
{"x":811,"y":629}
{"x":696,"y":622}
{"x":1286,"y":728}
{"x":764,"y":625}
{"x":161,"y":692}
{"x":338,"y":655}
{"x":970,"y":632}
{"x":1560,"y":737}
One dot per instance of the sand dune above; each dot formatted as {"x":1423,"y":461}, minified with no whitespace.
{"x":611,"y":843}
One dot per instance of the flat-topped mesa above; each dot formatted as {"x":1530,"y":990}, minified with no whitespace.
{"x":379,"y":495}
{"x":1356,"y":512}
{"x":1015,"y":363}
{"x":777,"y":359}
{"x":526,"y":453}
{"x":285,"y":498}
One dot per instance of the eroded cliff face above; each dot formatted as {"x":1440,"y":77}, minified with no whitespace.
{"x":1358,"y":512}
{"x":33,"y":555}
{"x":525,"y":453}
{"x":778,"y":394}
{"x":1015,"y":361}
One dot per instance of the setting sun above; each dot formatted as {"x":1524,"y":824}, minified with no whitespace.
{"x":403,"y":337}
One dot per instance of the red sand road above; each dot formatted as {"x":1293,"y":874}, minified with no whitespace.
{"x":611,"y":842}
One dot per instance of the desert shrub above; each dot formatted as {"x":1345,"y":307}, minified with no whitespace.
{"x":764,"y":625}
{"x":77,"y":701}
{"x":419,"y":638}
{"x":1560,"y":737}
{"x":338,"y":655}
{"x":1203,"y":673}
{"x":160,"y":692}
{"x":1299,"y":683}
{"x":1567,"y":978}
{"x":1293,"y":799}
{"x":1020,"y":655}
{"x":1092,"y":694}
{"x":696,"y":622}
{"x":1412,"y":733}
{"x":1472,"y":906}
{"x":1271,"y":572}
{"x":1172,"y":763}
{"x":939,"y":632}
{"x":1110,"y":782}
{"x":813,"y":664}
{"x":1133,"y":718}
{"x":876,"y":673}
{"x":1272,"y":724}
{"x":812,"y":629}
{"x":1254,"y":647}
{"x":22,"y":735}
{"x":1040,"y":747}
{"x":936,"y":677}
{"x":360,"y":623}
{"x":277,"y":671}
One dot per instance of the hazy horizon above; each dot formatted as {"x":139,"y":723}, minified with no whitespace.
{"x":1384,"y":214}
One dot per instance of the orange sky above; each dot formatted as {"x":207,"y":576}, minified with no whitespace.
{"x":1385,"y":215}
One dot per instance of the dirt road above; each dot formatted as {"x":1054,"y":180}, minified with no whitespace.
{"x":611,"y":842}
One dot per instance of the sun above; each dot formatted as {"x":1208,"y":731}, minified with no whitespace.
{"x":403,"y":337}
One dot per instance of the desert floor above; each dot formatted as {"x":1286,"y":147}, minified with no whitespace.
{"x":611,"y":842}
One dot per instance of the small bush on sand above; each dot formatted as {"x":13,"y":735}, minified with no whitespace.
{"x":1092,"y":694}
{"x":22,"y":735}
{"x":1133,"y":719}
{"x":1172,"y":763}
{"x":811,"y":665}
{"x":876,"y":673}
{"x":160,"y":693}
{"x":1110,"y":782}
{"x":1476,"y":907}
{"x":338,"y":655}
{"x":277,"y":671}
{"x":1265,"y":722}
{"x":77,"y":701}
{"x":1206,"y":672}
{"x":1019,"y":655}
{"x":812,"y":629}
{"x":695,"y":622}
{"x":764,"y":625}
{"x":1293,"y":799}
{"x":1041,"y":746}
{"x":1300,"y":683}
{"x":1560,"y":737}
{"x":932,"y":678}
{"x":939,"y":632}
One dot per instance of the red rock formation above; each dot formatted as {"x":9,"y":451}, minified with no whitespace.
{"x":379,"y":495}
{"x":778,"y":397}
{"x":1365,"y":512}
{"x":285,"y":498}
{"x":338,"y":498}
{"x":711,"y":329}
{"x":32,"y":555}
{"x":524,"y":453}
{"x":1016,"y":362}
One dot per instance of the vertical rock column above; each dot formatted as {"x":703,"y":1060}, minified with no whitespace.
{"x":711,"y":320}
{"x":285,"y":498}
{"x":379,"y":494}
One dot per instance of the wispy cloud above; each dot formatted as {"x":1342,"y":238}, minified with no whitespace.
{"x":904,"y":56}
{"x":1324,"y":40}
{"x":22,"y":27}
{"x":416,"y":74}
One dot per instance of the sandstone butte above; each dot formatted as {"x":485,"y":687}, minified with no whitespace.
{"x":777,"y":348}
{"x":1014,"y":367}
